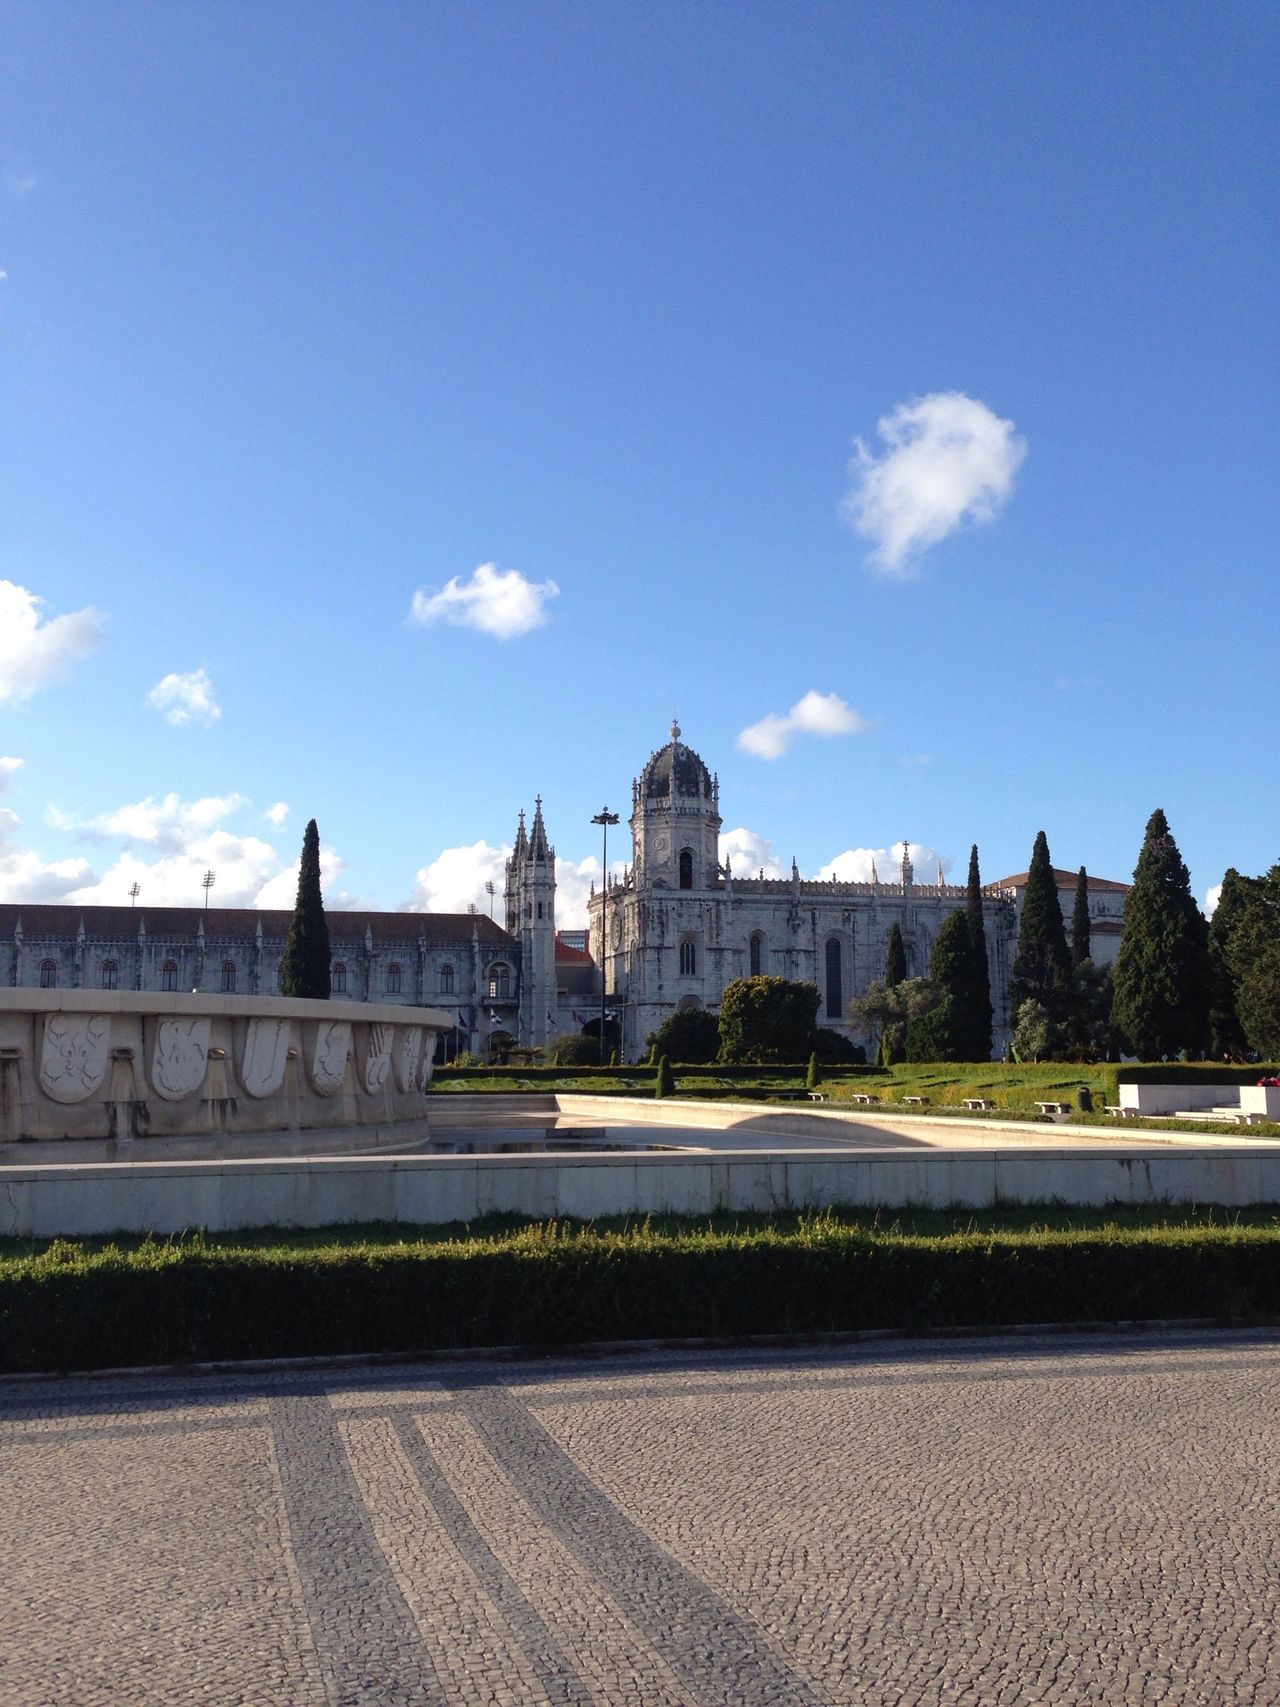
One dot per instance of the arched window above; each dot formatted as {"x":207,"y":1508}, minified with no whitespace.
{"x":394,"y":978}
{"x":686,"y":869}
{"x":228,"y":977}
{"x":499,"y":983}
{"x":338,"y":978}
{"x":169,"y":975}
{"x":757,"y":955}
{"x":688,"y":958}
{"x":48,"y":974}
{"x":445,"y":981}
{"x":835,"y":987}
{"x":110,"y":974}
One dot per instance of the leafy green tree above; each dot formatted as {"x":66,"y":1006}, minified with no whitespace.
{"x":835,"y":1050}
{"x":980,"y":1038}
{"x":1091,"y":1035}
{"x":1042,"y":963}
{"x":1036,"y":1036}
{"x":895,"y":960}
{"x":664,"y":1084}
{"x":571,"y":1049}
{"x":1252,"y":954}
{"x":1161,"y":970}
{"x":689,"y":1037}
{"x":767,"y":1019}
{"x":1081,"y":946}
{"x":305,"y":968}
{"x":887,"y":1012}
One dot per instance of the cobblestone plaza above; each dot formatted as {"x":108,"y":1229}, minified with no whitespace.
{"x":1015,"y":1520}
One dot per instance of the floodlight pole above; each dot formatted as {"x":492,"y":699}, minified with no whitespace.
{"x":604,"y":818}
{"x":206,"y":883}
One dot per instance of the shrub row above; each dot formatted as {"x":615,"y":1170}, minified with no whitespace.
{"x":163,"y":1303}
{"x":1192,"y":1073}
{"x":643,"y":1070}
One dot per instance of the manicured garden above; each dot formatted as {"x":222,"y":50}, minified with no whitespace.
{"x":94,"y":1304}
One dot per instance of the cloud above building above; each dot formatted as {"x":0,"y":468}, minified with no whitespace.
{"x":456,"y":878}
{"x":749,"y":854}
{"x":854,"y":864}
{"x":186,"y":698}
{"x":816,"y":714}
{"x":947,"y":460}
{"x":8,"y":770}
{"x":34,"y":649}
{"x":500,"y":602}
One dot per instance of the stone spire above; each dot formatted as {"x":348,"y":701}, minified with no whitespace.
{"x":522,"y":840}
{"x":908,"y":870}
{"x":538,"y":834}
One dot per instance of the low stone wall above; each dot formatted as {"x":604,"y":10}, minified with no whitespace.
{"x":89,"y":1064}
{"x":78,"y":1201}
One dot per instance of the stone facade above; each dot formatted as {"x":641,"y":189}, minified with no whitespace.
{"x":679,"y":926}
{"x":463,"y":963}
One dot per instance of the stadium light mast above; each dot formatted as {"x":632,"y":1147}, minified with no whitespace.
{"x":604,"y":818}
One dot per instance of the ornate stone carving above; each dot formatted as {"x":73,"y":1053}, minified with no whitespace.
{"x":179,"y":1057}
{"x":73,"y":1055}
{"x":373,"y":1056}
{"x":266,"y":1050}
{"x":327,"y":1057}
{"x":408,"y":1051}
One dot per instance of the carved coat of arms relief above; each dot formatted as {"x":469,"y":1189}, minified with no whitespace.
{"x":73,"y":1055}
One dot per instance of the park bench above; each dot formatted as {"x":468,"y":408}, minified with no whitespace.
{"x":978,"y":1103}
{"x":864,"y":1096}
{"x":817,"y":1096}
{"x":919,"y":1101}
{"x":1054,"y":1107}
{"x":1121,"y":1112}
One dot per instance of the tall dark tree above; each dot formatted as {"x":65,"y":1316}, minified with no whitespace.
{"x":305,"y":969}
{"x":1081,"y":947}
{"x":767,"y":1019}
{"x":1161,"y":973}
{"x":1252,"y":953}
{"x":947,"y":1031}
{"x":1042,"y":964}
{"x":1226,"y":1034}
{"x":895,"y":960}
{"x":980,"y":1035}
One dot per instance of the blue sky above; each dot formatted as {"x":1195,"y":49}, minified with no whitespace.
{"x":307,"y":310}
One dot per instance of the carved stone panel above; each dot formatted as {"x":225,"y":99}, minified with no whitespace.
{"x":408,"y":1052}
{"x":266,"y":1050}
{"x":373,"y":1056}
{"x":326,"y":1060}
{"x":74,"y":1055}
{"x":179,"y":1057}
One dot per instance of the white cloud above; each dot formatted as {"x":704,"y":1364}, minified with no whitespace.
{"x":815,"y":714}
{"x":185,"y":699}
{"x":277,"y":813}
{"x":7,"y":769}
{"x":854,"y":864}
{"x":1212,"y":897}
{"x":171,"y":823}
{"x":282,"y":889}
{"x":457,"y":876}
{"x":948,"y":459}
{"x":497,"y":602}
{"x":35,"y":651}
{"x":24,"y":876}
{"x":749,"y":854}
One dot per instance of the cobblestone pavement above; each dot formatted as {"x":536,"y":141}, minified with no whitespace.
{"x":1077,"y":1519}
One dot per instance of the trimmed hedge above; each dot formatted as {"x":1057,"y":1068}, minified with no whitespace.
{"x":1192,"y":1073}
{"x":555,"y":1285}
{"x":644,"y":1070}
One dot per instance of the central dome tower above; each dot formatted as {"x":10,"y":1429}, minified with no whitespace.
{"x":675,"y":819}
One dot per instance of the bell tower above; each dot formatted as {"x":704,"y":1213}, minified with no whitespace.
{"x":675,"y":820}
{"x":530,"y":896}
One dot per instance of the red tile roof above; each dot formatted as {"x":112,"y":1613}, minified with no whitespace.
{"x":1065,"y":880}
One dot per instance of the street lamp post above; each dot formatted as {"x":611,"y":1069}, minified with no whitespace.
{"x":604,"y":818}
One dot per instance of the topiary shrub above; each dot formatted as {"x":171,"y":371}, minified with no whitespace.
{"x":664,"y":1084}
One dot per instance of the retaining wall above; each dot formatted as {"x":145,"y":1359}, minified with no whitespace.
{"x":222,"y":1196}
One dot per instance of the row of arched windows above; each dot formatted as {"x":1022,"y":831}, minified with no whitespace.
{"x":499,"y":983}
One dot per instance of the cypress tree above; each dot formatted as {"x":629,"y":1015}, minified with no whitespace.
{"x":895,"y":960}
{"x":1081,"y":947}
{"x":1226,"y":1034}
{"x":946,"y":1032}
{"x":305,"y":969}
{"x":980,"y":1034}
{"x":664,"y":1084}
{"x":1042,"y":964}
{"x":1162,"y":967}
